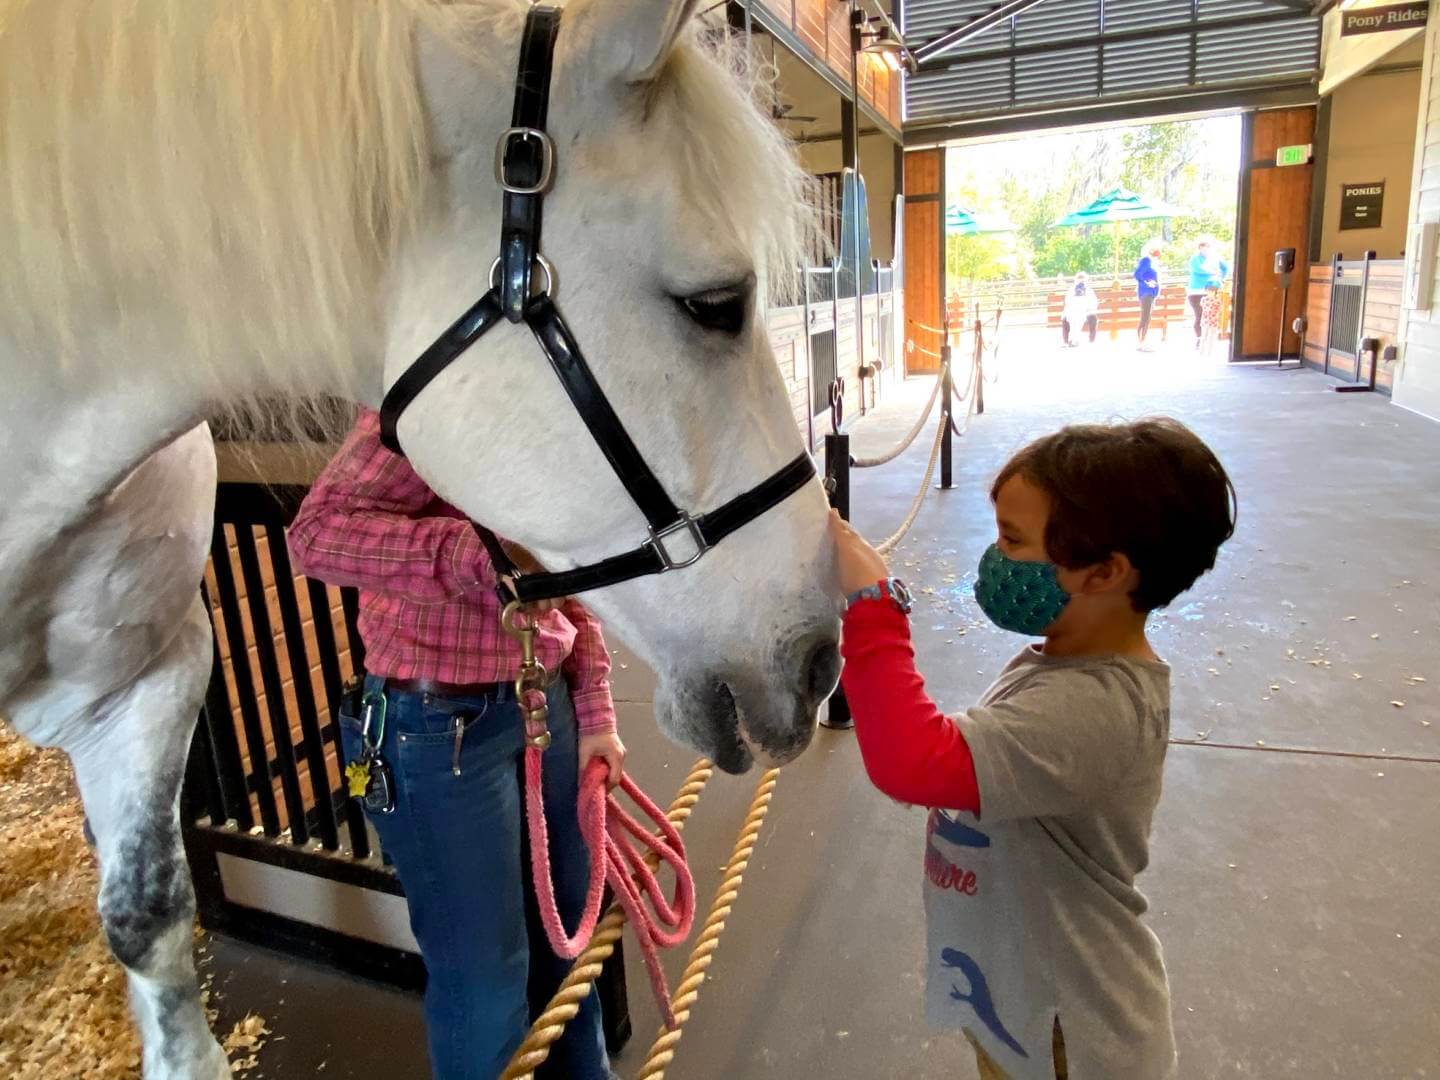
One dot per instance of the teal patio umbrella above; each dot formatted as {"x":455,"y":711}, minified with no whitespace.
{"x":1116,"y":206}
{"x":962,"y":221}
{"x":965,"y":222}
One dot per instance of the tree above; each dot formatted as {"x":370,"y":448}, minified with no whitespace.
{"x":1156,"y":158}
{"x":983,"y":257}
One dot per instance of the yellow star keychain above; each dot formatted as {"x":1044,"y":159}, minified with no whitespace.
{"x":357,"y":776}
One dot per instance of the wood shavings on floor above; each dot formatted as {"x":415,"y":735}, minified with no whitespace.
{"x":63,"y":1008}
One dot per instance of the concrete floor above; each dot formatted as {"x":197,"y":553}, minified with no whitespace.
{"x":1295,"y":855}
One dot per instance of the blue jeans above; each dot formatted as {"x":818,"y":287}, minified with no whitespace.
{"x":459,"y":845}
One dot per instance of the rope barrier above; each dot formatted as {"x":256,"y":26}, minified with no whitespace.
{"x":891,"y":542}
{"x":968,"y":401}
{"x":910,"y":436}
{"x":550,"y":1024}
{"x":662,"y":1051}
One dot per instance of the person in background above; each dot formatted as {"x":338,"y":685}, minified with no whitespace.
{"x":1209,"y":319}
{"x":1147,"y":288}
{"x":438,"y":711}
{"x":1206,"y":269}
{"x":1081,"y":311}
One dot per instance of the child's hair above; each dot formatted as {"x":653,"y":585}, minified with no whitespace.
{"x":1212,"y":287}
{"x":1150,"y":490}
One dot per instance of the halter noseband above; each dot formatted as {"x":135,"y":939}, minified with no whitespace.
{"x":525,"y":169}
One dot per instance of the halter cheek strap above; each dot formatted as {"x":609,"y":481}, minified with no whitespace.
{"x":525,"y":171}
{"x":525,"y":164}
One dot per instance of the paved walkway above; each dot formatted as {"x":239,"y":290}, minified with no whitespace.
{"x":1296,"y":859}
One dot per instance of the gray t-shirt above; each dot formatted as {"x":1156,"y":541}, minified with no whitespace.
{"x":1032,"y":908}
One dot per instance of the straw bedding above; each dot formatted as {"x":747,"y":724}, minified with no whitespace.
{"x":63,"y":1010}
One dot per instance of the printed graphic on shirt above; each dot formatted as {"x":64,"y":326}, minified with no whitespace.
{"x":957,"y":832}
{"x":939,"y":870}
{"x":978,"y":996}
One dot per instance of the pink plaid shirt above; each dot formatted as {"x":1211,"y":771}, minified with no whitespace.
{"x":428,"y":608}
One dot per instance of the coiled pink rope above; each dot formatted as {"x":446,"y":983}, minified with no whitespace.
{"x":607,"y":829}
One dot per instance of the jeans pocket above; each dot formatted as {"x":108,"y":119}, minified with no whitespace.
{"x":350,"y":741}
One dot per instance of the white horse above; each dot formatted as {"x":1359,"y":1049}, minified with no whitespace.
{"x":208,"y":204}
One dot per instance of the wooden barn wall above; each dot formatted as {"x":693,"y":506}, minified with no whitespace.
{"x":1417,"y":385}
{"x":823,"y":28}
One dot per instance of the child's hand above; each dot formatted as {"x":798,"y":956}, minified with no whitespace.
{"x":857,"y":564}
{"x":607,"y":746}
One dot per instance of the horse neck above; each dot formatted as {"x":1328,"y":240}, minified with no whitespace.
{"x":82,"y":431}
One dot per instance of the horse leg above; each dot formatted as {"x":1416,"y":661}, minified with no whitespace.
{"x":129,"y":773}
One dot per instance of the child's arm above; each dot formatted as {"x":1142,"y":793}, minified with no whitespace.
{"x":912,"y":752}
{"x":1068,"y":740}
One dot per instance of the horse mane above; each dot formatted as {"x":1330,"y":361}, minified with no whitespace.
{"x":268,"y":149}
{"x":737,"y":165}
{"x":199,"y":151}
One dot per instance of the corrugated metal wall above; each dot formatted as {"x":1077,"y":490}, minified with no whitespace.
{"x":1063,"y":52}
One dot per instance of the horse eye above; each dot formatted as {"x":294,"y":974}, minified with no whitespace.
{"x":723,"y":309}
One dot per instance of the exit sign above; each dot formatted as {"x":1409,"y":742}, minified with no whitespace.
{"x":1293,"y":155}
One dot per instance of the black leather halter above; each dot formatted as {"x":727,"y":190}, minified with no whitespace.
{"x":525,"y":169}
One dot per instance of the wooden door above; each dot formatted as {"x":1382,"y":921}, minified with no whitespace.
{"x":924,"y":258}
{"x":1275,"y":214}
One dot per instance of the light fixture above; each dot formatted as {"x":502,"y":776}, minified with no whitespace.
{"x":886,"y":44}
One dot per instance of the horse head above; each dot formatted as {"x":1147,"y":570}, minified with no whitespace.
{"x":675,"y":206}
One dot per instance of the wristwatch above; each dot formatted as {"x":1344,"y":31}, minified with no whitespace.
{"x":891,"y":588}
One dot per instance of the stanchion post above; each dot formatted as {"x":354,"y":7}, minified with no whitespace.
{"x":980,"y":367}
{"x":947,"y":402}
{"x":837,"y":486}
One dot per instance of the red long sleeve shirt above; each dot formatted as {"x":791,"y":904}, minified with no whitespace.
{"x":912,"y":751}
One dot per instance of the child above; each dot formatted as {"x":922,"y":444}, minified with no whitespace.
{"x":1081,"y":308}
{"x":1209,"y":318}
{"x":1042,"y":795}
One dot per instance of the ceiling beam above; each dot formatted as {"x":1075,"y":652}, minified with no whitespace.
{"x":1124,"y":110}
{"x":957,"y":36}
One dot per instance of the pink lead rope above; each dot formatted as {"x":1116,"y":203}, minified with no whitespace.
{"x":607,"y":829}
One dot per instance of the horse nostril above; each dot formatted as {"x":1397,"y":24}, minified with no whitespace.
{"x":822,"y":669}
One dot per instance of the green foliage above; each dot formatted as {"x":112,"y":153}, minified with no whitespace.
{"x":1036,"y":182}
{"x":1065,"y":252}
{"x":978,"y":258}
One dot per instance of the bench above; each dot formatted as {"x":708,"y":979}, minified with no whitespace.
{"x":1120,"y":309}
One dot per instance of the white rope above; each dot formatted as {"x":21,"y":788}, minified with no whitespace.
{"x":910,"y":436}
{"x":969,"y":404}
{"x":891,"y":542}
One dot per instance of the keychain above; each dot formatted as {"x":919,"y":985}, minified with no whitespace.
{"x":368,"y":778}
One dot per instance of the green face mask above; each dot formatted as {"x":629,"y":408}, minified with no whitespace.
{"x":1023,"y":597}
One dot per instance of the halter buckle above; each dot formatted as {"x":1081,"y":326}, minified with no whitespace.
{"x":507,"y":140}
{"x":547,"y":268}
{"x":690,"y":527}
